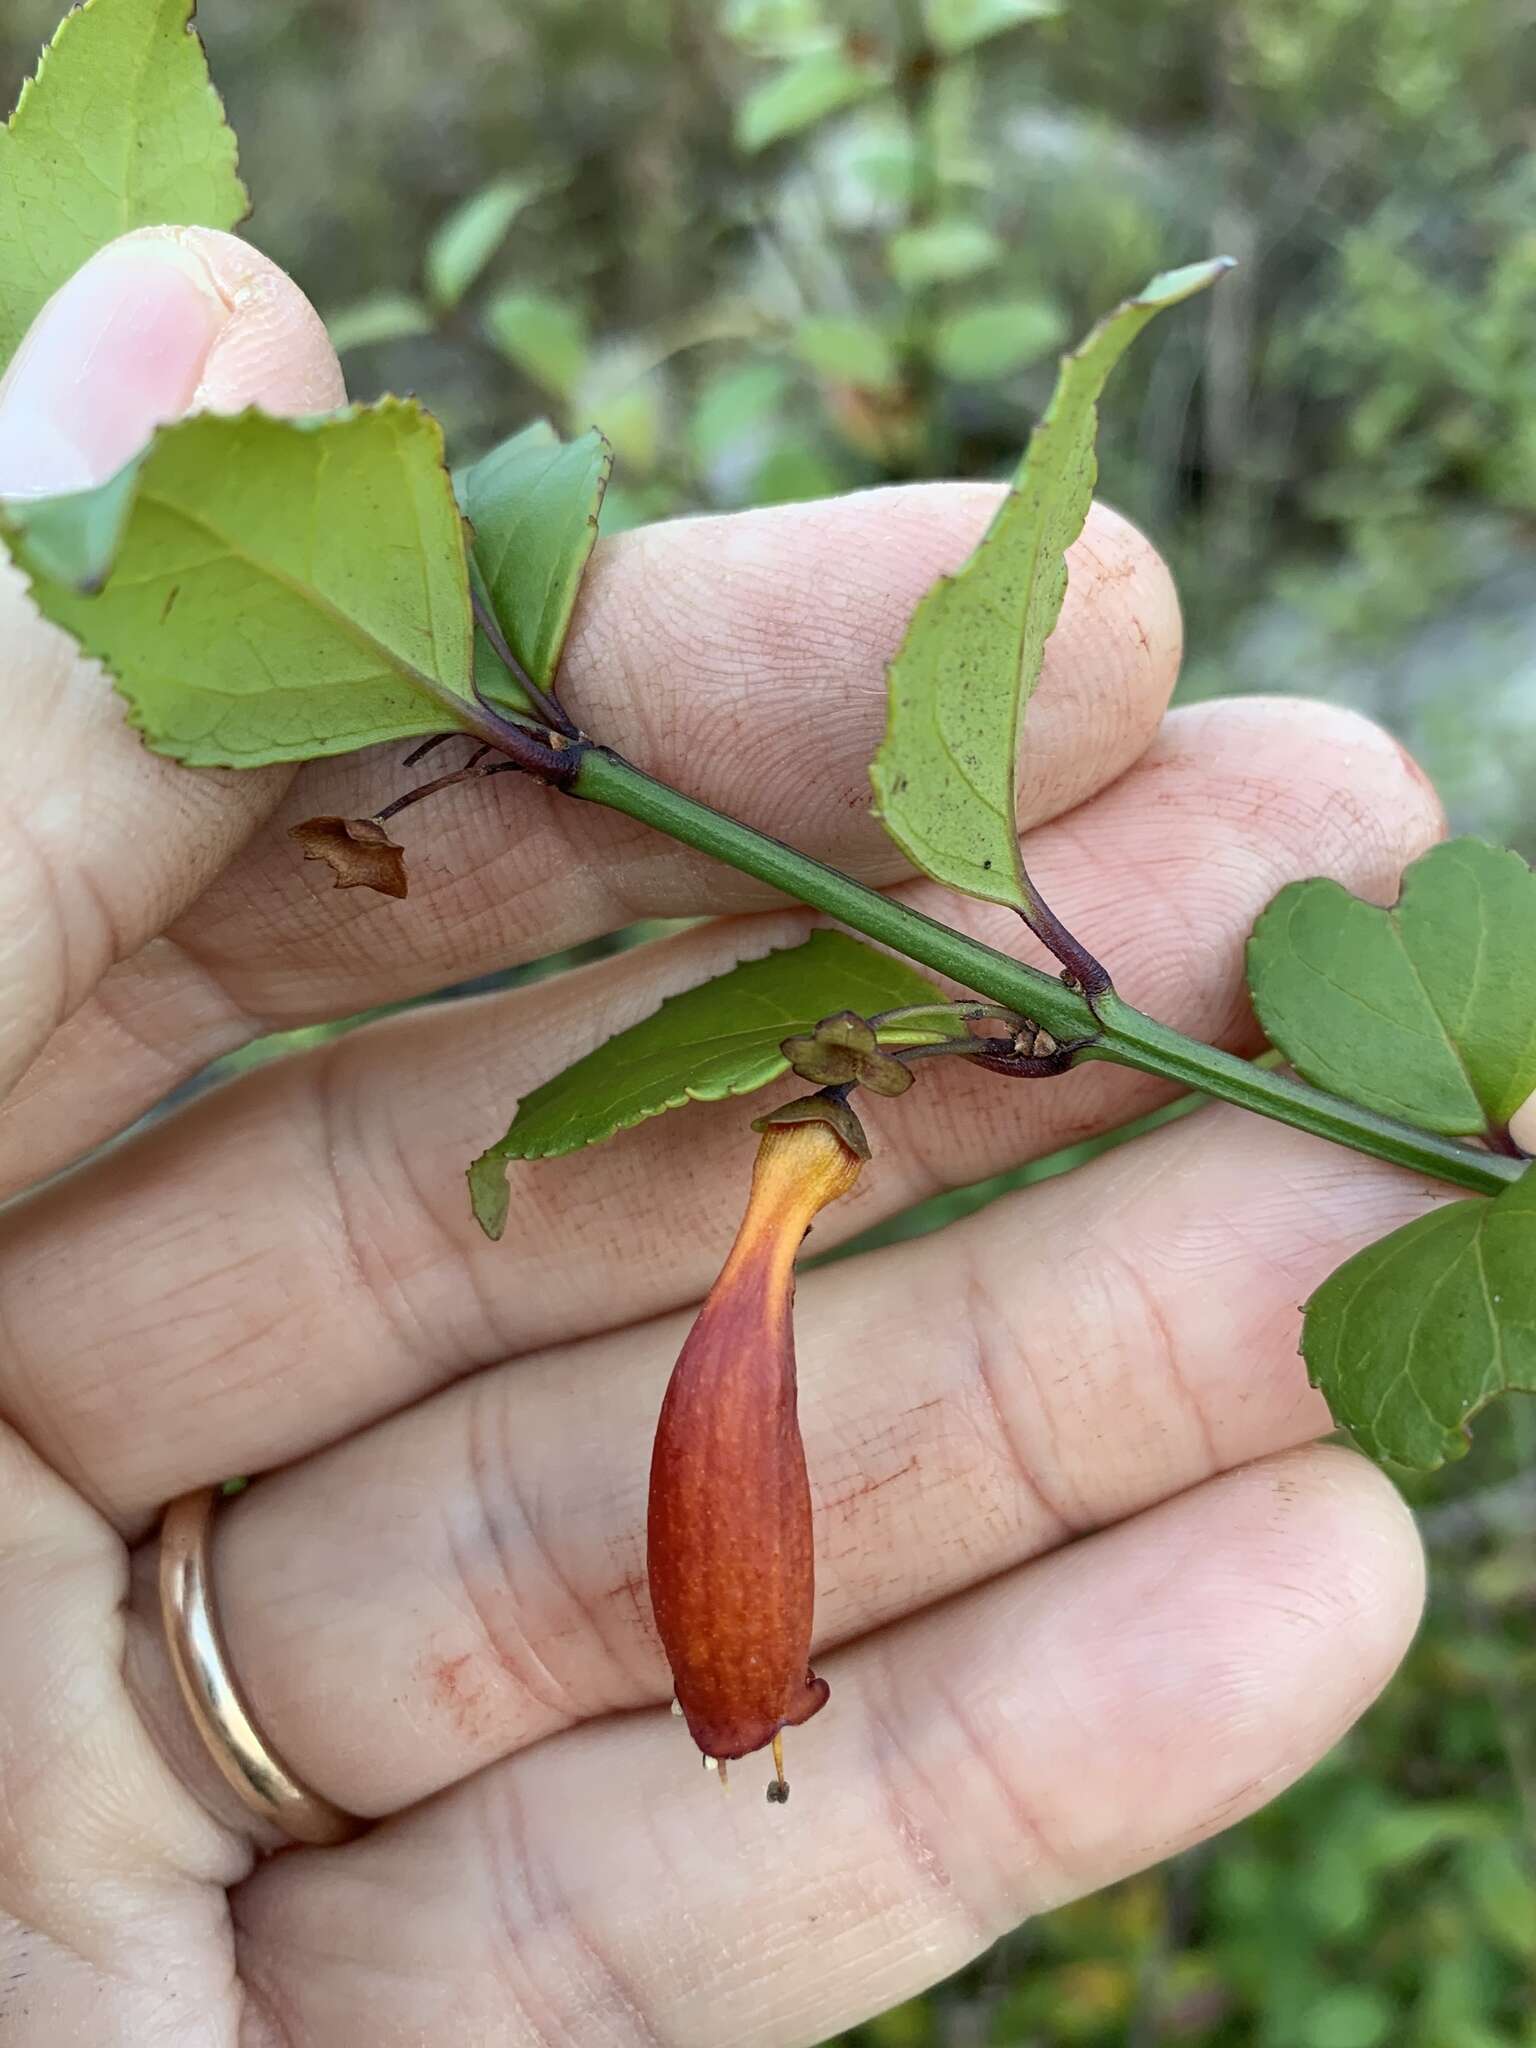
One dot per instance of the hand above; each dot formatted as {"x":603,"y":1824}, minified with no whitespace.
{"x":1088,"y":1591}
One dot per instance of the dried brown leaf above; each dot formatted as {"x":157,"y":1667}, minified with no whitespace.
{"x":358,"y":851}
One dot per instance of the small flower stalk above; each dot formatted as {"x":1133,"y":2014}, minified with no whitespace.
{"x":730,"y":1554}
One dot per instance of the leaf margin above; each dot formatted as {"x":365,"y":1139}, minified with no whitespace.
{"x":1063,"y":498}
{"x":60,"y":597}
{"x":490,"y":1192}
{"x":1471,"y":1216}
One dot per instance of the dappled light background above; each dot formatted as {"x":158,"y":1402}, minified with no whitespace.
{"x":782,"y":248}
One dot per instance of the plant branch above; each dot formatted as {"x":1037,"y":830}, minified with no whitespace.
{"x":552,"y":714}
{"x":1118,"y":1033}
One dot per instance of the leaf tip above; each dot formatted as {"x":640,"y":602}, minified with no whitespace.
{"x":489,"y":1195}
{"x":1169,"y":287}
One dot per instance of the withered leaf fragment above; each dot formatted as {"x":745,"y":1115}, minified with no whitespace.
{"x":730,"y":1548}
{"x":358,"y":851}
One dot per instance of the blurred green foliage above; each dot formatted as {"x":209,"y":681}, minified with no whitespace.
{"x":779,"y":248}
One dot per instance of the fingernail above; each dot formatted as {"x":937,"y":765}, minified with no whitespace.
{"x":114,"y":354}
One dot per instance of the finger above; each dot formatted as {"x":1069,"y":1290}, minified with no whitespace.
{"x":101,"y":842}
{"x":745,"y":655}
{"x":1027,"y":1744}
{"x":257,"y":1328}
{"x":468,"y":1577}
{"x":112,"y":1921}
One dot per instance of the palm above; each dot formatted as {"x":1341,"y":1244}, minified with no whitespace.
{"x":1069,"y":1622}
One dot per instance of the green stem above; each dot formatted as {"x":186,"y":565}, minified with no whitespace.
{"x":605,"y":778}
{"x":1133,"y":1040}
{"x":1121,"y":1034}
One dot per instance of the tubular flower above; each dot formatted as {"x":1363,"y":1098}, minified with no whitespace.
{"x":731,"y":1567}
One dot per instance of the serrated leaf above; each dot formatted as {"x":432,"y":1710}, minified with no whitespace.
{"x":119,"y":129}
{"x":386,"y":316}
{"x":466,"y":241}
{"x":269,"y":590}
{"x":976,"y":343}
{"x":1426,"y":1011}
{"x":955,"y":25}
{"x":713,"y":1041}
{"x":802,"y":93}
{"x":941,"y":252}
{"x":1412,"y":1336}
{"x":945,"y":775}
{"x":533,"y":504}
{"x":545,"y":339}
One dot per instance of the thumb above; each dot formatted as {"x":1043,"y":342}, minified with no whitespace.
{"x":101,"y":842}
{"x":165,"y":322}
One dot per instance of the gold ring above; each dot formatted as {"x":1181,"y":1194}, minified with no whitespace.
{"x":248,"y":1764}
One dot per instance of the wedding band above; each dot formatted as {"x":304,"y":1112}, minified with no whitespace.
{"x":219,"y":1709}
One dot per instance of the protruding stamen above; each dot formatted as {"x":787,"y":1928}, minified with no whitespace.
{"x":677,"y":1708}
{"x":778,"y":1789}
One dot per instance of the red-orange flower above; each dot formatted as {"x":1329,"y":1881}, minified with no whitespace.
{"x":730,"y":1554}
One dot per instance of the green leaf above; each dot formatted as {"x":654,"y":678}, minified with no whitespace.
{"x":774,"y":28}
{"x":847,"y":351}
{"x":533,"y":503}
{"x":626,"y":399}
{"x":120,"y":129}
{"x":944,"y":777}
{"x":266,"y":590}
{"x":794,"y":472}
{"x":977,"y":343}
{"x":73,"y":539}
{"x":732,"y":404}
{"x":803,"y":93}
{"x":1412,"y":1336}
{"x":955,"y":25}
{"x":941,"y":252}
{"x":385,"y":316}
{"x":716,"y":1040}
{"x":467,"y":240}
{"x":546,"y":340}
{"x":1426,"y":1011}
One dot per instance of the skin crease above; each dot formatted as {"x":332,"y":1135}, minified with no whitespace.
{"x":1086,"y":1590}
{"x":729,"y":1550}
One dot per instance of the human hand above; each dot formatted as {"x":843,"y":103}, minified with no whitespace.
{"x":1087,"y":1591}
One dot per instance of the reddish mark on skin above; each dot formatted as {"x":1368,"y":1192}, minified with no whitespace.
{"x":459,"y":1693}
{"x":631,"y":1590}
{"x":868,"y":1486}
